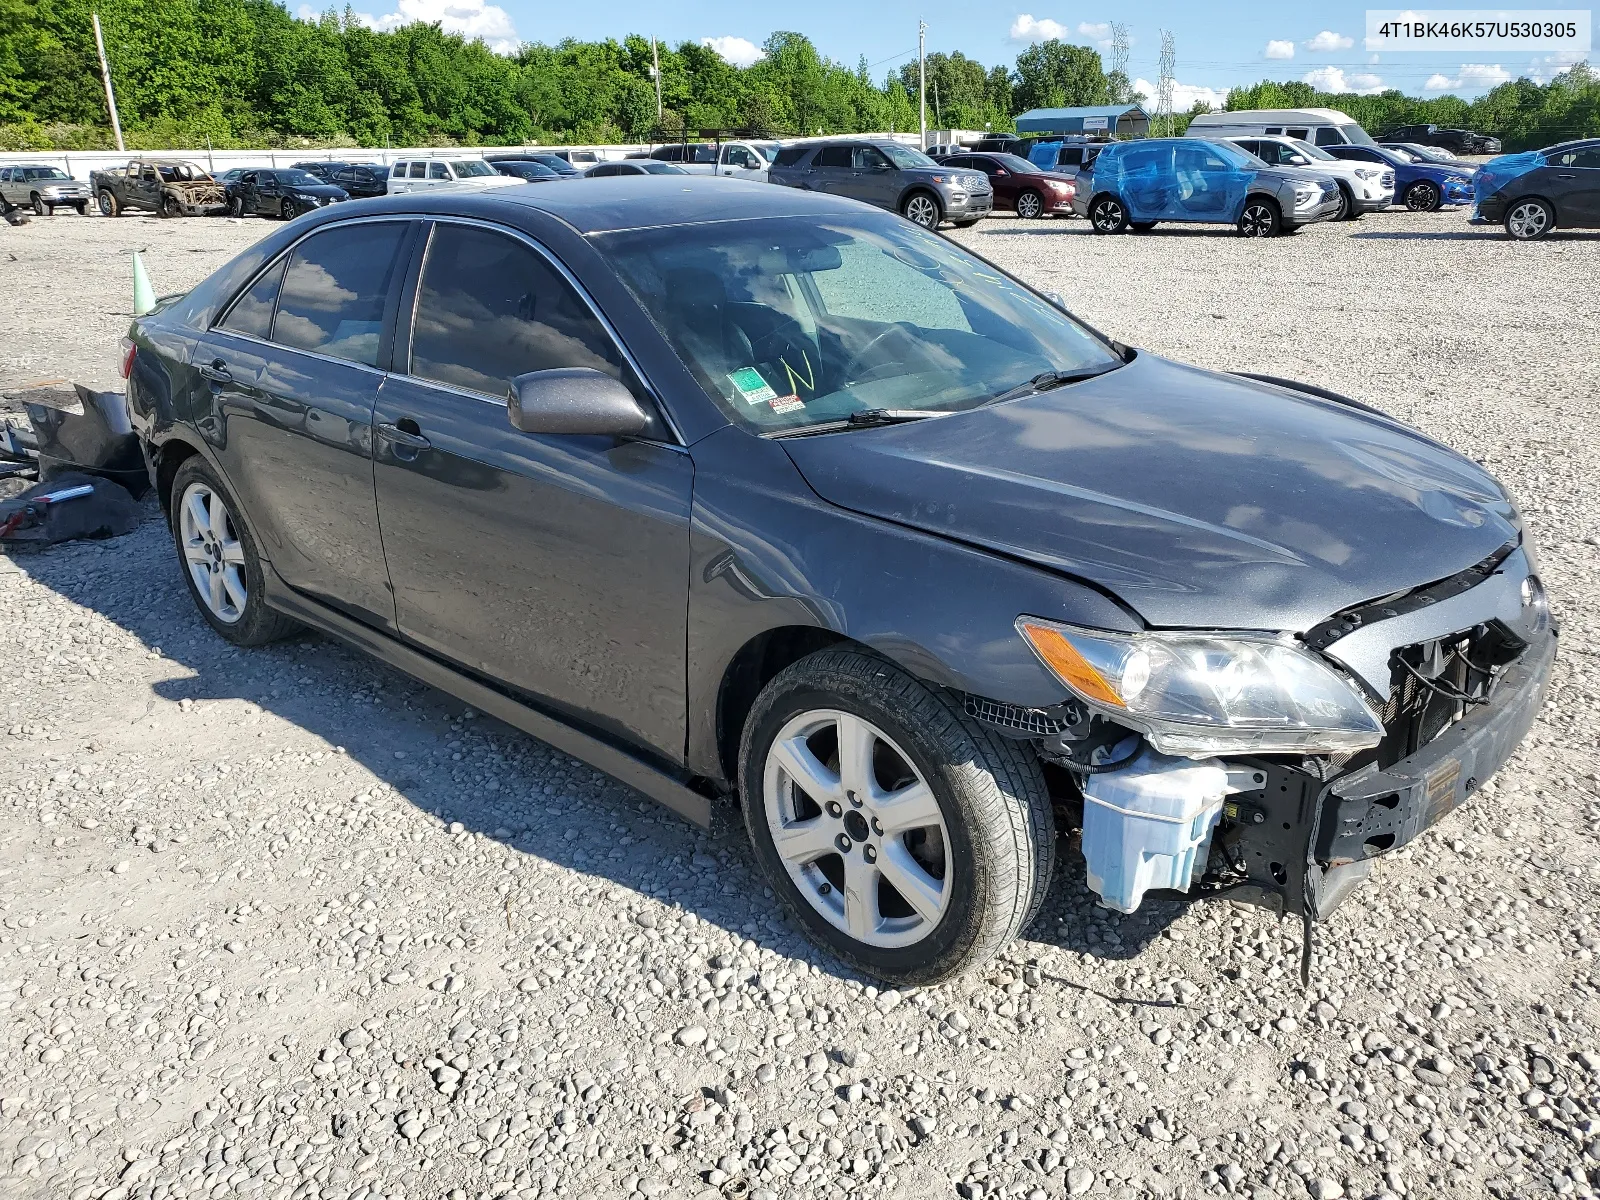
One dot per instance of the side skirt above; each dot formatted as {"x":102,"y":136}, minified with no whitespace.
{"x":619,"y":764}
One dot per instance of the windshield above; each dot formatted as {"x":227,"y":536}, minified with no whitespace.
{"x":298,"y":178}
{"x":1354,"y":133}
{"x":1014,"y":164}
{"x":790,"y":322}
{"x":469,"y":168}
{"x":181,"y":172}
{"x":1313,"y":151}
{"x":559,"y":165}
{"x":905,"y":156}
{"x":46,"y":173}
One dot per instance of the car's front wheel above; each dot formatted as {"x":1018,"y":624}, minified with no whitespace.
{"x":1423,"y":196}
{"x":219,"y":559}
{"x":921,"y":209}
{"x":41,"y":209}
{"x":1107,"y":215}
{"x":1030,"y":205}
{"x":1259,"y":219}
{"x":1529,"y":220}
{"x":236,"y":206}
{"x":169,"y":207}
{"x":904,"y":836}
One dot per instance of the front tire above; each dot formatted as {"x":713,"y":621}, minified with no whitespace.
{"x":82,"y":207}
{"x":41,"y":209}
{"x":908,"y":839}
{"x":168,"y":208}
{"x":236,"y":207}
{"x":1347,"y":205}
{"x":1259,"y":219}
{"x":1107,"y":215}
{"x":1423,"y":196}
{"x":1529,"y":220}
{"x":219,"y":559}
{"x":1029,"y":205}
{"x":921,"y":209}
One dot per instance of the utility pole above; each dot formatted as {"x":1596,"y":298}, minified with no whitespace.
{"x":922,"y":84}
{"x":655,"y":70}
{"x":105,"y":73}
{"x":1169,"y":63}
{"x":1119,"y":61}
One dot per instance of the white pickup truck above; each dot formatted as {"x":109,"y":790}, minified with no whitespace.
{"x":741,"y":160}
{"x":431,"y":174}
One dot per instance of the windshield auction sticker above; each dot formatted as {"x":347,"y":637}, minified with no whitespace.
{"x":749,"y":384}
{"x":1453,"y":29}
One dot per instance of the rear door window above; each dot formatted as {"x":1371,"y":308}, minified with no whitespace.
{"x":336,"y":288}
{"x":252,"y":312}
{"x":438,"y":171}
{"x":790,"y":155}
{"x":489,"y":308}
{"x":832,"y":156}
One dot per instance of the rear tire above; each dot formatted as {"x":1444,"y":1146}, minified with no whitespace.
{"x":977,"y":846}
{"x":1529,"y":220}
{"x":1107,"y":215}
{"x":1142,"y":226}
{"x":108,"y":203}
{"x":219,"y":547}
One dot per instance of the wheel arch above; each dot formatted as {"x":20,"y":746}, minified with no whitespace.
{"x":752,"y":667}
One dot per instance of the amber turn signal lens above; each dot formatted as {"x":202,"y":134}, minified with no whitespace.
{"x":1072,"y":667}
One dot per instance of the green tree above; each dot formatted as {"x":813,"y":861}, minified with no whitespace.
{"x":1054,"y":74}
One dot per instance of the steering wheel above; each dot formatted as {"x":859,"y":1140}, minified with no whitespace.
{"x":899,"y":328}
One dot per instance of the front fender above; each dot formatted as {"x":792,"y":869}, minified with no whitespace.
{"x":767,"y":553}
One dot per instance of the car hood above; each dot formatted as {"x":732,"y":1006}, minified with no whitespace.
{"x":1200,"y":500}
{"x":325,"y":191}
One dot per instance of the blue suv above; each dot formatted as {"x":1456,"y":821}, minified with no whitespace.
{"x":1133,"y":185}
{"x":1420,"y":185}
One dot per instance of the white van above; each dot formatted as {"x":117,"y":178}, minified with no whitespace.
{"x":1319,"y":126}
{"x":432,"y":174}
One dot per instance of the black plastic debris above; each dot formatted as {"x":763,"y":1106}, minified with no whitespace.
{"x":77,"y":429}
{"x":69,"y":505}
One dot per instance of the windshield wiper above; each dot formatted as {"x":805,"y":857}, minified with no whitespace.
{"x":1045,"y":380}
{"x":864,"y":419}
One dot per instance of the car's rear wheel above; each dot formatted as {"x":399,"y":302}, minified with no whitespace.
{"x":921,"y":209}
{"x":1259,"y":219}
{"x":1423,"y":196}
{"x":219,"y":559}
{"x":1107,"y":215}
{"x":904,"y":836}
{"x":1529,"y":220}
{"x":108,"y":203}
{"x":1030,"y":205}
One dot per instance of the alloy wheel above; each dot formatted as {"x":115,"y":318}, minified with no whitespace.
{"x":1258,"y":221}
{"x":1028,"y":206}
{"x":1422,"y":197}
{"x":1107,"y":216}
{"x":1528,"y":220}
{"x":858,"y":829}
{"x":921,"y":210}
{"x":212,"y":552}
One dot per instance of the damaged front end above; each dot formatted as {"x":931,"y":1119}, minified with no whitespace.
{"x":1273,"y":768}
{"x":197,"y":198}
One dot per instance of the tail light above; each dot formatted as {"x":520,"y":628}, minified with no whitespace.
{"x":128,"y":349}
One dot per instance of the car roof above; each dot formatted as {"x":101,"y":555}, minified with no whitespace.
{"x":609,"y":203}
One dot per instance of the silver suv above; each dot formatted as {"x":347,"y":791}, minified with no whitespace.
{"x":890,"y":175}
{"x":43,"y":189}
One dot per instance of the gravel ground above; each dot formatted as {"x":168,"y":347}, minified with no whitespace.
{"x":283,"y":923}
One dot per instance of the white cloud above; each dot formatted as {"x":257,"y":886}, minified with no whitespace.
{"x":1026,"y":29}
{"x":1184,"y":95}
{"x":1473,"y":77}
{"x":1098,"y":32}
{"x":1333,"y":79}
{"x":1547,"y":67}
{"x":1280,"y":49}
{"x":469,"y":18}
{"x":741,"y":52}
{"x":1329,"y":40}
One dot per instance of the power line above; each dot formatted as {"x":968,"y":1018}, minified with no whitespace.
{"x":1169,"y":65}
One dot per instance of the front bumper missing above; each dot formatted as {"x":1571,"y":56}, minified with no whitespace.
{"x":1301,"y":844}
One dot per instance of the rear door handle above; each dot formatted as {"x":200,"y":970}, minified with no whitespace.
{"x":1564,"y":175}
{"x":216,"y":371}
{"x":411,"y":438}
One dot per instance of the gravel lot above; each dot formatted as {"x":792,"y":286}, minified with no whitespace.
{"x":283,"y":923}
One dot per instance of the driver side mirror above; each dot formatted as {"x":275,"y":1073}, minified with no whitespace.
{"x":577,"y":400}
{"x":1300,"y":160}
{"x":1001,"y":171}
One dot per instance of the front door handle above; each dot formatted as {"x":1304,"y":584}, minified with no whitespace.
{"x":1564,"y":175}
{"x":216,"y":371}
{"x":411,"y":439}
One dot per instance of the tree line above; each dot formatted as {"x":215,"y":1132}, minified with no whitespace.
{"x":247,"y":73}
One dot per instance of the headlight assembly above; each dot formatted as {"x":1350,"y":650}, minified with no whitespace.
{"x":1199,"y":694}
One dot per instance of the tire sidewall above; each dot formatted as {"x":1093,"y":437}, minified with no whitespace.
{"x":1275,"y":219}
{"x":253,"y":625}
{"x":108,"y":203}
{"x":1099,"y":204}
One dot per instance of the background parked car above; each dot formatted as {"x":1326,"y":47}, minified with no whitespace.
{"x":740,"y":160}
{"x":575,"y":158}
{"x":1420,"y":185}
{"x":1132,"y":185}
{"x":1541,"y":190}
{"x":647,"y":166}
{"x":1319,"y":126}
{"x":280,"y":192}
{"x":434,"y":174}
{"x":1005,"y":143}
{"x":43,"y":189}
{"x":525,"y":170}
{"x":169,"y":187}
{"x":1062,"y":156}
{"x":1363,"y":187}
{"x":1019,"y":186}
{"x":1457,"y":141}
{"x":1432,"y":154}
{"x":889,"y":175}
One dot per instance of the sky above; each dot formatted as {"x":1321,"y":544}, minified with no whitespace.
{"x":1218,"y":45}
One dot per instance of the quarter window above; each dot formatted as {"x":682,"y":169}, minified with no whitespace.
{"x":252,"y":312}
{"x":490,"y":309}
{"x":335,"y":290}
